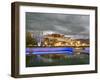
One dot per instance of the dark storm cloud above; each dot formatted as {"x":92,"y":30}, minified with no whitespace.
{"x":63,"y":23}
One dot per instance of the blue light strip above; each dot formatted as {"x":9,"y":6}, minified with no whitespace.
{"x":48,"y":49}
{"x":54,"y":52}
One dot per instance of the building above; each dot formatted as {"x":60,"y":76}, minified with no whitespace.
{"x":61,"y":40}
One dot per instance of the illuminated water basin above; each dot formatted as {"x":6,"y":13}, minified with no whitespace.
{"x":53,"y":50}
{"x":49,"y":50}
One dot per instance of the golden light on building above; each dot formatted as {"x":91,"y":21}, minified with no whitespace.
{"x":60,"y":40}
{"x":58,"y":44}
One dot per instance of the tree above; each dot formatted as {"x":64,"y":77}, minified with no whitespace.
{"x":30,"y":40}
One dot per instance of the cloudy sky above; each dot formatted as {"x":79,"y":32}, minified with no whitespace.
{"x":69,"y":24}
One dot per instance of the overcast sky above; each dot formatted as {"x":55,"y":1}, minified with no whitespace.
{"x":69,"y":24}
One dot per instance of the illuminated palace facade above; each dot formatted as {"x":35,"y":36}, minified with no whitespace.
{"x":57,"y":40}
{"x":61,"y":40}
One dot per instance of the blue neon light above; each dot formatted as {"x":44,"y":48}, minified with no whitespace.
{"x":49,"y":50}
{"x":54,"y":52}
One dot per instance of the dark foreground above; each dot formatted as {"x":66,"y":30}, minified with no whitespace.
{"x":55,"y":60}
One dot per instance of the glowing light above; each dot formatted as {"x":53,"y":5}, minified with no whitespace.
{"x":54,"y":52}
{"x":49,"y":50}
